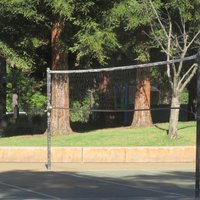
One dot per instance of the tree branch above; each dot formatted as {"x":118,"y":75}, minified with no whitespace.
{"x":193,"y":68}
{"x":158,"y":18}
{"x":193,"y":40}
{"x":177,"y":44}
{"x":181,"y":63}
{"x":169,"y":75}
{"x":158,"y":41}
{"x":169,"y":37}
{"x":186,"y":48}
{"x":174,"y":70}
{"x":184,"y":34}
{"x":168,"y":53}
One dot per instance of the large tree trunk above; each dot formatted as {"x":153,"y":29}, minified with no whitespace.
{"x":142,"y":99}
{"x":2,"y":91}
{"x":60,"y":115}
{"x":174,"y":116}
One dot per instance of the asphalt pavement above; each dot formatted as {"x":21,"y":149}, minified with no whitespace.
{"x":97,"y":181}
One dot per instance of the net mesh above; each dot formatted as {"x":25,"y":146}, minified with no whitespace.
{"x":94,"y":93}
{"x":97,"y":94}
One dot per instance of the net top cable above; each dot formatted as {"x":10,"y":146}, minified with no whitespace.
{"x":154,"y":64}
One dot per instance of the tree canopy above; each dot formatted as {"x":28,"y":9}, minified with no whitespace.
{"x":98,"y":33}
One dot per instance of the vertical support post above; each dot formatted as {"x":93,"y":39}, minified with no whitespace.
{"x":48,"y":119}
{"x":197,"y":178}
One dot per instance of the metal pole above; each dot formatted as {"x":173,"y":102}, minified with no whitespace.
{"x":197,"y":178}
{"x":48,"y":119}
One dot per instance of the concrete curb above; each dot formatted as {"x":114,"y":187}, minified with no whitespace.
{"x":99,"y":154}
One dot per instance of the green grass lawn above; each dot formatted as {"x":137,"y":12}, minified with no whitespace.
{"x":124,"y":136}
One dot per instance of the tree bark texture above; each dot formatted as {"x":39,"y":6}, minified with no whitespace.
{"x":142,"y":99}
{"x":174,"y":116}
{"x":2,"y":88}
{"x":60,"y":114}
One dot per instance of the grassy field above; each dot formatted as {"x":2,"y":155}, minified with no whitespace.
{"x":124,"y":136}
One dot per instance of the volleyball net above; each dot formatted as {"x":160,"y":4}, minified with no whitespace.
{"x":107,"y":95}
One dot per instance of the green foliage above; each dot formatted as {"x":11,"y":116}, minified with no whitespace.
{"x":94,"y":41}
{"x":61,"y":8}
{"x":81,"y":110}
{"x":20,"y":38}
{"x":27,"y":9}
{"x":129,"y":21}
{"x":184,"y":97}
{"x":37,"y":100}
{"x":128,"y":12}
{"x":28,"y":90}
{"x":13,"y":58}
{"x":185,"y":7}
{"x":94,"y":38}
{"x":142,"y":54}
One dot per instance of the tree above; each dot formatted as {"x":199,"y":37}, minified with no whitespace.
{"x":175,"y":29}
{"x":18,"y":38}
{"x":60,"y":116}
{"x":129,"y":14}
{"x":20,"y":42}
{"x":142,"y":99}
{"x":69,"y":26}
{"x":77,"y":29}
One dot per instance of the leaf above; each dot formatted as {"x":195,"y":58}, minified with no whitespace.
{"x":13,"y":58}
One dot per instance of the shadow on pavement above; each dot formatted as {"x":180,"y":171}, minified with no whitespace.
{"x":109,"y":185}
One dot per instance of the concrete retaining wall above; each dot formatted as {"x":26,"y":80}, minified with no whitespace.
{"x":99,"y":154}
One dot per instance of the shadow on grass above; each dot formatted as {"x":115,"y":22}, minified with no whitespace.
{"x":166,"y":130}
{"x":25,"y":125}
{"x":161,"y":128}
{"x":87,"y":127}
{"x":97,"y":185}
